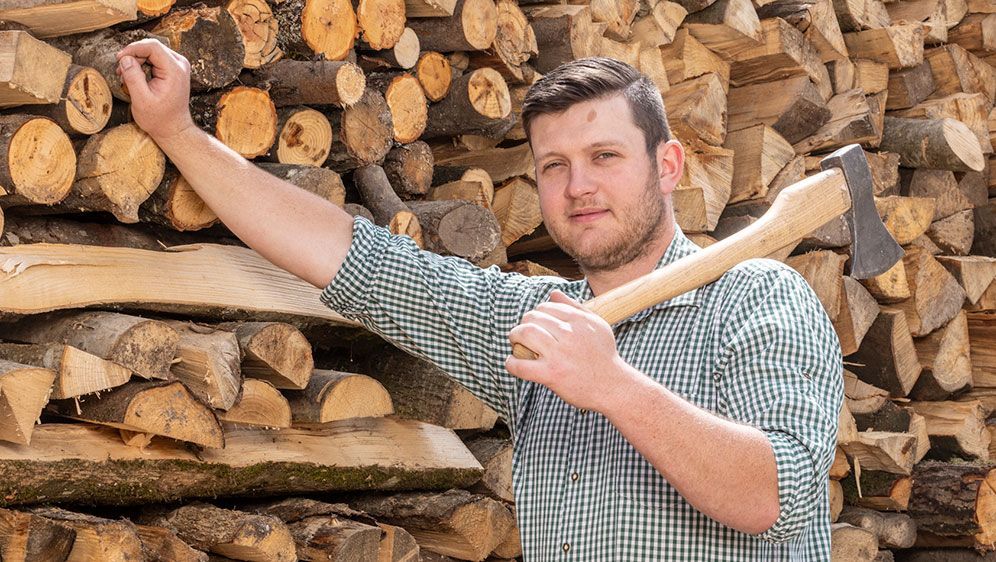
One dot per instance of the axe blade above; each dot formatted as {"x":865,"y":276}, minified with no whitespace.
{"x":873,"y":249}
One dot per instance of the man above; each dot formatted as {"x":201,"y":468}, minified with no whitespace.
{"x":701,"y":429}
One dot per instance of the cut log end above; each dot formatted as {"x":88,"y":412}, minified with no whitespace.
{"x":488,"y":94}
{"x":406,"y":223}
{"x":247,"y":121}
{"x":259,"y":31}
{"x":350,"y":83}
{"x":409,"y":110}
{"x":40,"y":159}
{"x":306,"y":138}
{"x":479,"y":19}
{"x":382,"y":22}
{"x":434,"y":73}
{"x":88,"y":101}
{"x":329,"y":27}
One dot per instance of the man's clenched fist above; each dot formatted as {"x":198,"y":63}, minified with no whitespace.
{"x":161,"y":106}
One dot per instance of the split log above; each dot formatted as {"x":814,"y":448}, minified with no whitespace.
{"x":423,"y":392}
{"x":145,"y":347}
{"x":792,"y":107}
{"x":887,"y":358}
{"x":899,"y":46}
{"x":759,"y":153}
{"x":852,"y":544}
{"x":726,"y":27}
{"x":473,"y":185}
{"x":889,"y":287}
{"x":693,"y":107}
{"x":457,"y":228}
{"x":500,"y":163}
{"x":84,"y":107}
{"x":236,"y":534}
{"x":516,"y":206}
{"x":495,"y":455}
{"x":953,"y":234}
{"x":51,"y":18}
{"x":686,"y":57}
{"x":618,"y":17}
{"x":946,"y":361}
{"x":936,"y":296}
{"x":974,"y":273}
{"x":552,"y":24}
{"x":860,"y":398}
{"x":956,"y":70}
{"x":836,"y":494}
{"x":406,"y":101}
{"x":511,"y":546}
{"x":316,"y":27}
{"x":403,"y":55}
{"x":333,"y":395}
{"x":472,"y":26}
{"x":883,"y":451}
{"x":23,"y":81}
{"x":940,"y":185}
{"x":816,"y":19}
{"x":976,"y":33}
{"x":871,"y":77}
{"x":322,"y":182}
{"x":478,"y":103}
{"x":824,"y":271}
{"x":397,"y":545}
{"x":97,"y":538}
{"x":207,"y":362}
{"x":365,"y":133}
{"x":885,"y":172}
{"x":841,"y":72}
{"x":275,"y":352}
{"x":25,"y":390}
{"x":362,"y":454}
{"x":162,"y":545}
{"x":37,"y":161}
{"x":985,"y":226}
{"x":76,"y":371}
{"x":906,"y":218}
{"x":956,"y":429}
{"x":783,"y":52}
{"x":259,"y":404}
{"x":852,"y":121}
{"x":323,"y":82}
{"x":303,"y":136}
{"x":857,"y":15}
{"x":880,"y":491}
{"x":89,"y":275}
{"x":409,"y":169}
{"x":25,"y":537}
{"x":952,"y":501}
{"x":858,"y":311}
{"x":909,"y":86}
{"x":894,"y":530}
{"x":242,"y":118}
{"x":382,"y":22}
{"x":176,"y":205}
{"x":933,"y":14}
{"x":434,"y":74}
{"x":454,"y":523}
{"x":513,"y":45}
{"x":210,"y":38}
{"x":982,"y":338}
{"x":704,"y":188}
{"x":388,"y":210}
{"x":118,"y":170}
{"x":324,"y":531}
{"x":151,"y":407}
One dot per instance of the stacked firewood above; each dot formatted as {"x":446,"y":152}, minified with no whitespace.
{"x":170,"y":365}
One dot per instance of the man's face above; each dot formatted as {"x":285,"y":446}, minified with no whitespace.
{"x":600,"y":192}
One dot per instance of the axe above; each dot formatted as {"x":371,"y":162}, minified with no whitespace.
{"x":844,"y":187}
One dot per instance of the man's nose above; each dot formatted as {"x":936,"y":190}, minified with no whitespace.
{"x":581,"y":182}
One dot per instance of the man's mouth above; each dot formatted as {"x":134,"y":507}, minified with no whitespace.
{"x":588,"y":214}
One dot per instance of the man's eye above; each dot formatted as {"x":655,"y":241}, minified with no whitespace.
{"x":604,"y":155}
{"x":551,"y":165}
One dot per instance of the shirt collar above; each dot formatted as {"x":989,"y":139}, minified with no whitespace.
{"x":679,"y":247}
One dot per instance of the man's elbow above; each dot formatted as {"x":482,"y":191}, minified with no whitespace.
{"x":763,"y":518}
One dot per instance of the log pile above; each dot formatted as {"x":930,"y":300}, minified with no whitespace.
{"x":154,"y":387}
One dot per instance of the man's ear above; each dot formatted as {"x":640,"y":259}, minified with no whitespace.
{"x":670,"y":164}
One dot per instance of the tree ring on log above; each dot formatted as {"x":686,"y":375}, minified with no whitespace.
{"x":41,"y":160}
{"x":88,"y":101}
{"x":247,"y":121}
{"x":306,"y":138}
{"x":328,"y":27}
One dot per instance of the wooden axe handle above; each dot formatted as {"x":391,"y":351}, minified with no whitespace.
{"x":798,"y":210}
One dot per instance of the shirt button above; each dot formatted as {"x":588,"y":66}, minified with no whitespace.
{"x":584,"y":412}
{"x":566,"y":547}
{"x":575,"y":476}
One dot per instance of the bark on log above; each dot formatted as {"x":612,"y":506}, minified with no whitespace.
{"x":388,"y":210}
{"x":409,"y":169}
{"x":25,"y":537}
{"x":932,"y":143}
{"x":365,"y":133}
{"x":403,"y":55}
{"x":275,"y":352}
{"x":406,"y":101}
{"x":952,"y":501}
{"x":478,"y":103}
{"x":79,"y":463}
{"x":210,"y":38}
{"x":324,"y":82}
{"x":176,"y":205}
{"x":322,"y":182}
{"x":457,"y":228}
{"x":97,"y":538}
{"x":97,"y":50}
{"x":887,"y":358}
{"x":316,"y":27}
{"x":472,"y":27}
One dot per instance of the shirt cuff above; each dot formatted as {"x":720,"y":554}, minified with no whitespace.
{"x":349,"y":289}
{"x":797,"y":498}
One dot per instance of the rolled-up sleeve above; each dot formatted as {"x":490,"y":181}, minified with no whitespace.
{"x":781,"y":372}
{"x":442,"y":309}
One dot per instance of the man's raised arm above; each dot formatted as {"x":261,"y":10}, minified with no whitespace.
{"x":296,"y":230}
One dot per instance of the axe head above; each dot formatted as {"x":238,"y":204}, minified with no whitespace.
{"x":873,"y":249}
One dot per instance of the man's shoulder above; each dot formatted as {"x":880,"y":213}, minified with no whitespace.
{"x":758,"y":278}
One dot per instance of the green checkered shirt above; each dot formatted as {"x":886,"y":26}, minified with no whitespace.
{"x":755,"y":346}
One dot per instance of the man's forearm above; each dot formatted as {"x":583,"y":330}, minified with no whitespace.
{"x":724,"y":469}
{"x":296,"y":230}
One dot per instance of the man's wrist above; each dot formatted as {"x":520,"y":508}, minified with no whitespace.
{"x":177,"y":138}
{"x":624,"y":397}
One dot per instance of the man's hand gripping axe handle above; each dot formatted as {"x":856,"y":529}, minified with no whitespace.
{"x":844,"y":187}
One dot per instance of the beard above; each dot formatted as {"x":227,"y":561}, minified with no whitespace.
{"x":619,"y":247}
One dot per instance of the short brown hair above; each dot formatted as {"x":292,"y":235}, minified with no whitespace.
{"x":594,"y":78}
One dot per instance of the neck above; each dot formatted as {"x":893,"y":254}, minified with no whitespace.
{"x":602,"y":281}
